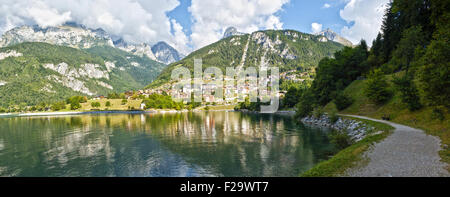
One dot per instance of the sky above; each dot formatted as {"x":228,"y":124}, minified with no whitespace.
{"x":188,"y":25}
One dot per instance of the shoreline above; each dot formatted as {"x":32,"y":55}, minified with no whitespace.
{"x":31,"y":114}
{"x":85,"y":112}
{"x":364,"y":133}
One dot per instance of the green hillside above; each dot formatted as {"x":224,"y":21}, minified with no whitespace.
{"x":404,"y":77}
{"x":25,"y":78}
{"x":398,"y":112}
{"x":143,"y":74}
{"x":286,"y":49}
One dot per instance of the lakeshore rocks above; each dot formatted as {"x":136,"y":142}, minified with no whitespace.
{"x":357,"y":130}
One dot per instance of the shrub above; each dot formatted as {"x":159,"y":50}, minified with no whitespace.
{"x":124,"y":101}
{"x":341,"y":139}
{"x":334,"y":117}
{"x":342,"y":101}
{"x":437,"y":114}
{"x":58,"y":106}
{"x":108,"y":104}
{"x":376,"y":87}
{"x":95,"y":104}
{"x":75,"y":105}
{"x":318,"y":112}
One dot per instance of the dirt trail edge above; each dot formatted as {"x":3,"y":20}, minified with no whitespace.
{"x":407,"y":152}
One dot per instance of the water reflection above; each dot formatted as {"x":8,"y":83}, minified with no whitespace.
{"x":183,"y":144}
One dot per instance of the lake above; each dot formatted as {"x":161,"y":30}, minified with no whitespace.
{"x":160,"y":145}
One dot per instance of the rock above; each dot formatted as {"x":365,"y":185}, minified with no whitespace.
{"x":355,"y":129}
{"x":231,"y":31}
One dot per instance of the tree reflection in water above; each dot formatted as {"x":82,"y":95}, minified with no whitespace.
{"x":177,"y":144}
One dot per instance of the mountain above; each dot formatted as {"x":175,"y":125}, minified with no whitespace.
{"x":287,"y":49}
{"x":161,"y":51}
{"x":69,"y":34}
{"x":231,"y":31}
{"x":78,"y":36}
{"x":32,"y":73}
{"x":165,"y":53}
{"x":333,"y":36}
{"x":137,"y":49}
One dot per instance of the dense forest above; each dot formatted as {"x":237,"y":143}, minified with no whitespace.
{"x":413,"y":47}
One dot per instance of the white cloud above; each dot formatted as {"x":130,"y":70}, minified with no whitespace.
{"x":211,"y":18}
{"x":45,"y":16}
{"x":181,"y":40}
{"x":316,"y":27}
{"x":367,"y":18}
{"x":134,"y":20}
{"x":326,"y":5}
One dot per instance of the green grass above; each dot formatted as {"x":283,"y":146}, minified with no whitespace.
{"x":399,"y":113}
{"x":350,"y":156}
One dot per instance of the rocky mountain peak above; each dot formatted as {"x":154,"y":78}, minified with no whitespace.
{"x":166,"y":53}
{"x":231,"y":31}
{"x":68,"y":34}
{"x":76,"y":35}
{"x":333,"y":36}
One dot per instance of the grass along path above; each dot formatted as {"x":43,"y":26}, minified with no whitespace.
{"x":406,"y":152}
{"x":352,"y":155}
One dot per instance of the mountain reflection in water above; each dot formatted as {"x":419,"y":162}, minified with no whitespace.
{"x":179,"y":144}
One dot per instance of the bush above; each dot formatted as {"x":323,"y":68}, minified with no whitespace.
{"x":342,"y":101}
{"x":333,"y":117}
{"x":341,"y":139}
{"x":57,"y":106}
{"x":75,"y":105}
{"x":408,"y":92}
{"x":124,"y":101}
{"x":377,"y":88}
{"x":108,"y":104}
{"x":318,"y":112}
{"x":95,"y":104}
{"x":158,"y":101}
{"x":437,"y":114}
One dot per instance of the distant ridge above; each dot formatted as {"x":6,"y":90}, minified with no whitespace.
{"x":78,"y":36}
{"x":333,"y":36}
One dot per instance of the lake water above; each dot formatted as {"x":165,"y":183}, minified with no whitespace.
{"x":182,"y":144}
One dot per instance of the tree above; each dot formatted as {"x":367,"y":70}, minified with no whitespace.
{"x":408,"y":92}
{"x":333,"y":75}
{"x":434,"y":74}
{"x":404,"y":54}
{"x":342,"y":101}
{"x":58,"y":106}
{"x":306,"y":104}
{"x":376,"y":87}
{"x":74,"y":105}
{"x":292,"y":97}
{"x":95,"y":104}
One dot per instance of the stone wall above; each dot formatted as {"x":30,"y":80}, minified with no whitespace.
{"x":357,"y":130}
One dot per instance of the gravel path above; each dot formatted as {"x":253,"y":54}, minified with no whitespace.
{"x":407,"y":152}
